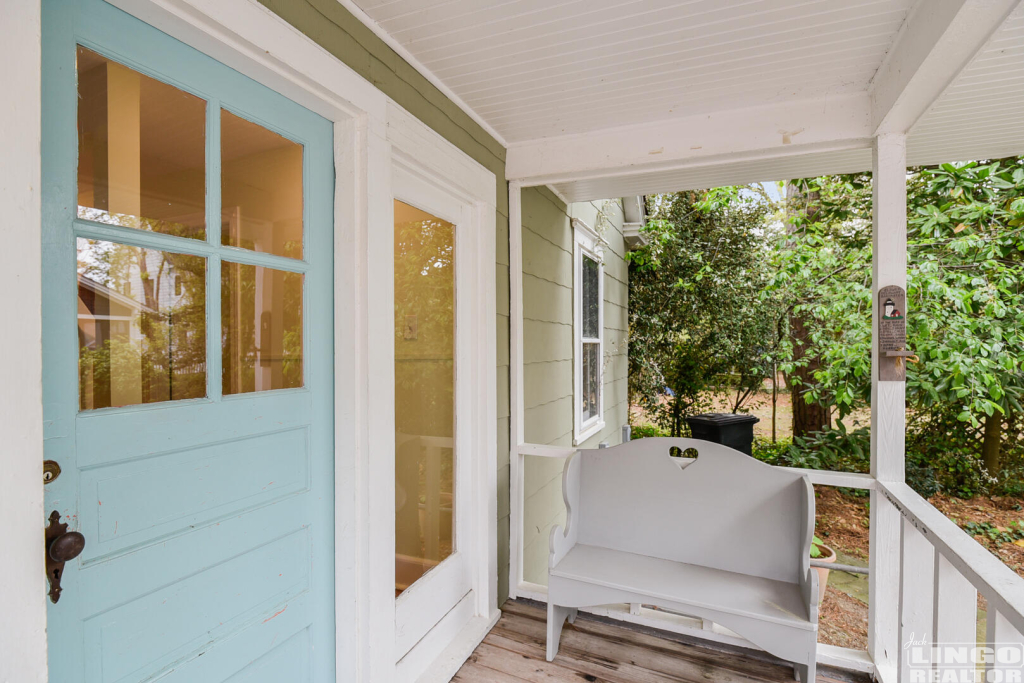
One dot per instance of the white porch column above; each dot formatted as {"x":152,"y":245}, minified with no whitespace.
{"x":517,"y":433}
{"x":888,"y":267}
{"x":888,"y":419}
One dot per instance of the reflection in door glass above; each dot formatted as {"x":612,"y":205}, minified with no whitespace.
{"x":141,"y":325}
{"x":261,"y":188}
{"x":141,"y":150}
{"x":424,"y":393}
{"x":261,"y":328}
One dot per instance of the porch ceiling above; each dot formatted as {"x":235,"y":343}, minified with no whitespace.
{"x":603,"y":98}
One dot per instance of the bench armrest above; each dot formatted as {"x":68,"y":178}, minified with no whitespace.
{"x":808,"y":575}
{"x":563,"y":540}
{"x":809,"y":590}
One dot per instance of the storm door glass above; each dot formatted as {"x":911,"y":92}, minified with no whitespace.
{"x":424,"y":393}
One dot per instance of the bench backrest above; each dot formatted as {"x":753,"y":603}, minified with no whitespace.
{"x":723,"y":509}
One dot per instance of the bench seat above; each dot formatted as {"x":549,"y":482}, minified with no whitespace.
{"x":687,"y":584}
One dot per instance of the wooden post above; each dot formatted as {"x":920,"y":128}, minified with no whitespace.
{"x":517,"y":432}
{"x":888,"y":267}
{"x":888,"y":406}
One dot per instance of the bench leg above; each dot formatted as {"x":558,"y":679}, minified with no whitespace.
{"x":556,"y":618}
{"x":806,"y":672}
{"x":572,"y":615}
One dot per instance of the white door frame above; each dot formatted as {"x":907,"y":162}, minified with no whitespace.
{"x":368,"y":125}
{"x":432,"y":174}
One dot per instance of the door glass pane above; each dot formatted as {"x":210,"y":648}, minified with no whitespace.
{"x":424,"y":393}
{"x":591,"y":380}
{"x":261,"y":188}
{"x":141,"y":150}
{"x":591,"y":298}
{"x":141,"y":325}
{"x":261,"y":328}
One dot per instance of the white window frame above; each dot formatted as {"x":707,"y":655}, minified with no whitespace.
{"x":590,"y":244}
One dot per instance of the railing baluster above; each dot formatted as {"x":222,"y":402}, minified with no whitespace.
{"x":956,"y":608}
{"x":999,"y":631}
{"x":917,"y":577}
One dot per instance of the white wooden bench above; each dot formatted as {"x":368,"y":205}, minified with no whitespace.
{"x":720,"y":537}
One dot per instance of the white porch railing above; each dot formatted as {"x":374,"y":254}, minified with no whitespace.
{"x":926,"y":574}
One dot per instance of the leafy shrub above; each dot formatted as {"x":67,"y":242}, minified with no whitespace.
{"x":768,"y":452}
{"x":840,"y":450}
{"x":645,"y":430}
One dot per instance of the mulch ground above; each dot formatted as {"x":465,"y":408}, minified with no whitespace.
{"x":842,"y":523}
{"x":843,"y":620}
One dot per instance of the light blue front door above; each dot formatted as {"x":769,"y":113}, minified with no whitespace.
{"x":188,"y":317}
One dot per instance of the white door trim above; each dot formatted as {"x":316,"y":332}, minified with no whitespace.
{"x":465,"y":194}
{"x":256,"y":42}
{"x":23,"y":590}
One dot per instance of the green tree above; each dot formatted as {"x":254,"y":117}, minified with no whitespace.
{"x":965,"y":299}
{"x":697,"y":303}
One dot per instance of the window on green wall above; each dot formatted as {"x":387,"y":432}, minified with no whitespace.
{"x":588,"y":331}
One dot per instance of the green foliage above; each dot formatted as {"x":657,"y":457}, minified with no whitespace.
{"x":770,"y":452}
{"x":816,"y":545}
{"x":696,"y":304}
{"x":965,"y":319}
{"x":996,"y":534}
{"x":716,"y":288}
{"x":965,"y":290}
{"x":644,"y":431}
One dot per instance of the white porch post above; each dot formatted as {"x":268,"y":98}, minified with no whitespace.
{"x":888,"y":419}
{"x":517,"y":432}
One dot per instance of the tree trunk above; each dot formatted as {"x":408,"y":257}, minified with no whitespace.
{"x":992,"y":444}
{"x":807,"y":417}
{"x":775,"y":398}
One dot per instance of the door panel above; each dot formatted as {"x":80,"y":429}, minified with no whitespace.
{"x":187,"y":360}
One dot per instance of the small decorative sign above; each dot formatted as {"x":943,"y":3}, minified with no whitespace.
{"x":892,"y":334}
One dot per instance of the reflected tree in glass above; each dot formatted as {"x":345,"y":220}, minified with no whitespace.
{"x":261,"y":328}
{"x":424,"y":392}
{"x":141,"y":325}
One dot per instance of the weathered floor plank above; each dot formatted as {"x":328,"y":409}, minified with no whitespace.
{"x":598,"y":652}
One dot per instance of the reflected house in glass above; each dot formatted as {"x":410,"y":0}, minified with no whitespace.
{"x":141,"y":325}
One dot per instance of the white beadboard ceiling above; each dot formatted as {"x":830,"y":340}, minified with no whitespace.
{"x":981,"y":115}
{"x":539,"y":68}
{"x":531,"y":70}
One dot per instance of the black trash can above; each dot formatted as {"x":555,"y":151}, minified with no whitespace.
{"x":729,"y":429}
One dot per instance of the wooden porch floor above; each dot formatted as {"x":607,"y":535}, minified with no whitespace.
{"x":600,"y":652}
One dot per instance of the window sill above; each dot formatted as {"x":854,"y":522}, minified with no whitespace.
{"x":588,"y":431}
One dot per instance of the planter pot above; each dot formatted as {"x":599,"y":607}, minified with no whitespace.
{"x":828,"y":555}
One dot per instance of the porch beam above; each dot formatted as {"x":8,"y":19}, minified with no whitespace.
{"x":937,"y":40}
{"x":765,"y":131}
